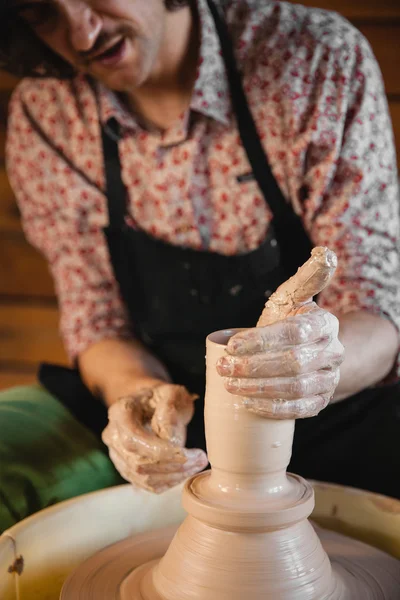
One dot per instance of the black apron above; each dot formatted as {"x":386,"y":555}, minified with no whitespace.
{"x":177,"y":296}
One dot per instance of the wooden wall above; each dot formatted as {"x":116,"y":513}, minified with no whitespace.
{"x":28,"y":311}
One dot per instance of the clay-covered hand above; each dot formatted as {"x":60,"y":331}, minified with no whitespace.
{"x":286,"y":370}
{"x":146,"y":435}
{"x":288,"y":366}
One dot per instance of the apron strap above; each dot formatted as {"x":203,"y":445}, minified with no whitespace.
{"x":289,"y":230}
{"x":115,"y":188}
{"x":247,"y":128}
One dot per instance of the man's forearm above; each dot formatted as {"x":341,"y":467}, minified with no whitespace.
{"x":371,"y":343}
{"x":114,"y":368}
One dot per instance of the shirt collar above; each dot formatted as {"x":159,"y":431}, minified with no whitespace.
{"x":112,"y":107}
{"x":211,"y":90}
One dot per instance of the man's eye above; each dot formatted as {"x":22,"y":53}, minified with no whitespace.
{"x":36,"y":14}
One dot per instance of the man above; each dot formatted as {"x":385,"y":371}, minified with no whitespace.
{"x":161,"y":223}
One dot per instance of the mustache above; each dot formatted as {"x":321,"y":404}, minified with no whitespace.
{"x":103,"y":40}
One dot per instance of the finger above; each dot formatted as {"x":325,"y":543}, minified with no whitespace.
{"x":107,"y":434}
{"x":123,"y":469}
{"x":302,"y":309}
{"x":155,"y":482}
{"x":111,"y":436}
{"x":307,"y":328}
{"x":309,"y":280}
{"x":136,"y":437}
{"x":290,"y":361}
{"x":140,"y":481}
{"x":288,"y":409}
{"x":285,"y":388}
{"x":148,"y":446}
{"x":173,"y":410}
{"x":196,"y":459}
{"x":160,"y":483}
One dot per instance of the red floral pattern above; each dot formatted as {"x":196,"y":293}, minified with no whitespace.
{"x":318,"y":99}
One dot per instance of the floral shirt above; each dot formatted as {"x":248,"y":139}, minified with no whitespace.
{"x":318,"y":99}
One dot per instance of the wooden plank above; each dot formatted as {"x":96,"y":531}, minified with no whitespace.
{"x":7,"y":81}
{"x":2,"y":144}
{"x":29,"y":334}
{"x":4,"y":98}
{"x":395,"y":113}
{"x":359,"y":9}
{"x":385,"y":42}
{"x":13,"y":378}
{"x":23,"y":271}
{"x":9,"y":214}
{"x":356,"y":9}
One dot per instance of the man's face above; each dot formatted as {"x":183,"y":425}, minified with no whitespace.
{"x":115,"y":41}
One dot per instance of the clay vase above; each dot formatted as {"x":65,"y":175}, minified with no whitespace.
{"x":247,"y":533}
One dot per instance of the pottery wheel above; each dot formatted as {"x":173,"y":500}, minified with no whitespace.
{"x":367,"y":573}
{"x":247,"y":534}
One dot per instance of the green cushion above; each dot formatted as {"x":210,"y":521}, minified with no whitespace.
{"x":46,"y":455}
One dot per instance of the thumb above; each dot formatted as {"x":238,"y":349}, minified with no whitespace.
{"x":309,"y":280}
{"x":173,"y":410}
{"x":302,"y":309}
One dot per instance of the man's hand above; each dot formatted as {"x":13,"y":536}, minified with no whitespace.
{"x":286,"y":370}
{"x":146,"y":435}
{"x":288,"y":366}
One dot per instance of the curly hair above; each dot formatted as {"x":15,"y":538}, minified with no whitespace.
{"x":24,"y":55}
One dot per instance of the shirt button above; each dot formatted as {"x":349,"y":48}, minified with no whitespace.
{"x":273,"y":242}
{"x":194,"y":292}
{"x":267,"y":293}
{"x":186,"y":266}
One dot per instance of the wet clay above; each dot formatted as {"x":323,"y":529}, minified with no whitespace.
{"x":247,"y":534}
{"x":310,"y":279}
{"x":123,"y":571}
